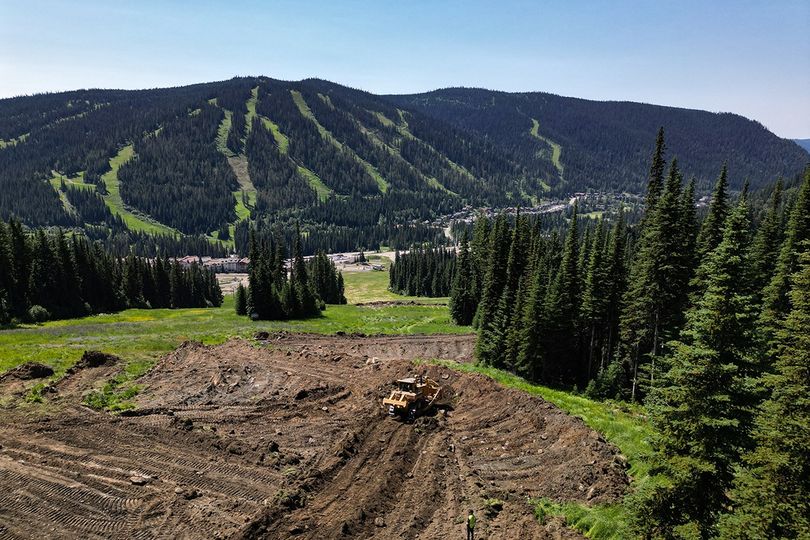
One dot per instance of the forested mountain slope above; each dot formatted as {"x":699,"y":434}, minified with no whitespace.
{"x":603,"y":143}
{"x":201,"y":162}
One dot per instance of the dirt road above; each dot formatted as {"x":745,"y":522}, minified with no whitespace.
{"x":286,"y":438}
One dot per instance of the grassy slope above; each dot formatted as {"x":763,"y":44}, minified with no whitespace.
{"x":307,"y":112}
{"x":222,"y":133}
{"x":282,"y":140}
{"x":135,"y":221}
{"x":74,"y":181}
{"x":251,"y":108}
{"x":321,"y":189}
{"x":239,"y":166}
{"x":556,"y":151}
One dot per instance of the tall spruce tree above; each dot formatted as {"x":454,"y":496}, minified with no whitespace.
{"x":697,"y":407}
{"x":595,"y":298}
{"x":655,"y":185}
{"x":499,"y":244}
{"x":502,"y":329}
{"x":711,"y":230}
{"x":765,"y":248}
{"x":771,"y":498}
{"x":560,"y":340}
{"x":462,"y":300}
{"x":654,"y":301}
{"x":240,"y":300}
{"x":775,"y":301}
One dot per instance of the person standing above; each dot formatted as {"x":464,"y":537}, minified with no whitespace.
{"x":470,"y":525}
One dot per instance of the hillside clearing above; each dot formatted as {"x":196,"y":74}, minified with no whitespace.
{"x":556,"y":152}
{"x":327,"y":135}
{"x":134,"y":220}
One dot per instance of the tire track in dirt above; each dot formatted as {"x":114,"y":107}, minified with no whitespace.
{"x":287,"y":438}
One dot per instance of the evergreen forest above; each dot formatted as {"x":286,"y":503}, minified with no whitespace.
{"x":702,"y":318}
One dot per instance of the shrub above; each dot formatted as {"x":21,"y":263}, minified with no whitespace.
{"x":38,"y":314}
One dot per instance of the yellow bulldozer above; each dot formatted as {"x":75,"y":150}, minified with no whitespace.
{"x":412,"y":397}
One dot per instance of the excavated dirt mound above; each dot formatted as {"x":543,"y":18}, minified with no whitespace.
{"x":28,"y":371}
{"x":288,"y":438}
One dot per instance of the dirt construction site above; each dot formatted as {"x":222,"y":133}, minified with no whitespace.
{"x":285,"y":436}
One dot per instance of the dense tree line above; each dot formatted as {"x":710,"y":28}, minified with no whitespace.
{"x":178,"y":176}
{"x":280,"y":187}
{"x":122,"y":241}
{"x":273,"y":294}
{"x":91,"y":208}
{"x":55,"y":276}
{"x":423,"y":272}
{"x":335,"y":239}
{"x":326,"y":280}
{"x":698,"y":319}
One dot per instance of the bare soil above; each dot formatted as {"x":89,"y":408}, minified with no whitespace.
{"x":287,"y":438}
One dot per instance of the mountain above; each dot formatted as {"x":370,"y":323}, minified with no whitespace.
{"x":352,"y":167}
{"x":605,"y":144}
{"x":804,"y":143}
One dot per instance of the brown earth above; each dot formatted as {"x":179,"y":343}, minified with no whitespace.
{"x":287,"y":437}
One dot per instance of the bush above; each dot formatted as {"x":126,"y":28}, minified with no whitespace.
{"x":38,"y":314}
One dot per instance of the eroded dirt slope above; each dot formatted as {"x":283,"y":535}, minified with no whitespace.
{"x":287,"y":438}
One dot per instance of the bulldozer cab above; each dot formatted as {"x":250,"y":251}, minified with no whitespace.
{"x":412,"y":396}
{"x":407,"y":385}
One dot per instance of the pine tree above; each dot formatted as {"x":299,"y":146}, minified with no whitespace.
{"x":775,"y":301}
{"x":493,"y":288}
{"x":697,"y":407}
{"x":560,"y":339}
{"x":656,"y":182}
{"x":595,"y":297}
{"x":654,"y":301}
{"x":22,"y":260}
{"x":240,"y":300}
{"x":765,"y":248}
{"x":502,"y":327}
{"x":617,"y":283}
{"x":462,"y":301}
{"x":7,"y":278}
{"x":307,"y":302}
{"x":772,"y":493}
{"x":711,"y":230}
{"x":44,"y":287}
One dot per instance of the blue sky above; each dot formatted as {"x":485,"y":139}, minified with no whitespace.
{"x":751,"y":58}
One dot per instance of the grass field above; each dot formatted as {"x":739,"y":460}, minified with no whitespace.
{"x":143,"y":335}
{"x":373,"y":287}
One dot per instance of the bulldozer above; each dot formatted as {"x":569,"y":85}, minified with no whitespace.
{"x":412,"y":397}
